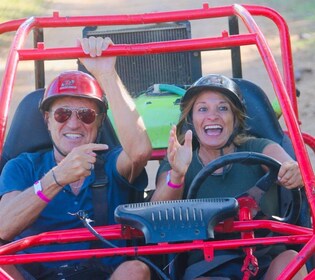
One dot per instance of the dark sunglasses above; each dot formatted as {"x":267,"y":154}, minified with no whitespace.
{"x":86,"y":115}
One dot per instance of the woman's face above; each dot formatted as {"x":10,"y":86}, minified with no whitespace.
{"x":213,"y":119}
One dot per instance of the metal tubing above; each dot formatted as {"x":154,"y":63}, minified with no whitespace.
{"x":10,"y":73}
{"x":120,"y":232}
{"x":286,"y":106}
{"x":284,"y":89}
{"x":162,"y":248}
{"x":141,"y":49}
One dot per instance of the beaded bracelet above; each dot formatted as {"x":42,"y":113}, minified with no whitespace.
{"x":38,"y":191}
{"x":55,"y":179}
{"x":169,"y":183}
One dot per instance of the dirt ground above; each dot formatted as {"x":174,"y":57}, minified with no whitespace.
{"x":301,"y":33}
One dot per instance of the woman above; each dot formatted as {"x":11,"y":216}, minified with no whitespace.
{"x":212,"y":124}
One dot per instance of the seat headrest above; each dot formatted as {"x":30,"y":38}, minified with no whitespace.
{"x":262,"y":120}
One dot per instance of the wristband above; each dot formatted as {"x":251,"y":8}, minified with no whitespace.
{"x":169,"y":183}
{"x":38,"y":191}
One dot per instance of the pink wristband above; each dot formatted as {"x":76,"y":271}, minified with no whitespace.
{"x":39,"y":193}
{"x":43,"y":197}
{"x":170,"y":184}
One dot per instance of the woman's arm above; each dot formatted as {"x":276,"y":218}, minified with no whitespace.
{"x":170,"y":185}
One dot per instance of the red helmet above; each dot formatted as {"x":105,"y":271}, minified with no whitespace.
{"x":76,"y":84}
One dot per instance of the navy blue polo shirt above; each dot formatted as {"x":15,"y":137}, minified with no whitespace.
{"x":21,"y":173}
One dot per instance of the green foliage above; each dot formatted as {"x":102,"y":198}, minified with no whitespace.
{"x":15,"y":9}
{"x":293,"y":9}
{"x":307,"y":43}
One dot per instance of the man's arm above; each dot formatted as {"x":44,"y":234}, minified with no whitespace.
{"x":130,"y":126}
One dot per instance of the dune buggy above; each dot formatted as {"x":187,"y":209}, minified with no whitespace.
{"x":159,"y":47}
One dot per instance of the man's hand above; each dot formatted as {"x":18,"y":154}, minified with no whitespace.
{"x":78,"y":164}
{"x":97,"y":65}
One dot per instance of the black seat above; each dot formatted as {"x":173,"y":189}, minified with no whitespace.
{"x":262,"y":121}
{"x":28,"y":131}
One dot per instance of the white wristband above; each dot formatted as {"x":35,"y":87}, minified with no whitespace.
{"x":38,"y":191}
{"x":170,"y":184}
{"x":37,"y":187}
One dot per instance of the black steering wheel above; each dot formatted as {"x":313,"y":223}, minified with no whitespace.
{"x":263,"y":184}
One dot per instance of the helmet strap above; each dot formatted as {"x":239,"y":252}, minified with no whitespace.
{"x":57,"y":149}
{"x":55,"y":146}
{"x":100,"y":129}
{"x":230,"y":140}
{"x":189,"y":125}
{"x":98,"y":136}
{"x":232,"y":136}
{"x":224,"y":167}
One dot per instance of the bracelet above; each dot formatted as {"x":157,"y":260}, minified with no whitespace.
{"x":169,"y":183}
{"x":55,"y":179}
{"x":38,"y":191}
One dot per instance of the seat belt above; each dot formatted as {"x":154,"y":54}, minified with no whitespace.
{"x":99,"y":197}
{"x":99,"y":193}
{"x":199,"y":268}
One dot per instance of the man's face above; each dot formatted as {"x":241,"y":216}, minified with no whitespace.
{"x":73,"y":132}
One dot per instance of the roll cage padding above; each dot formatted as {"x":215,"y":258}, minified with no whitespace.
{"x":177,"y":220}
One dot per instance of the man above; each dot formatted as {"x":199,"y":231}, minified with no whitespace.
{"x":39,"y":190}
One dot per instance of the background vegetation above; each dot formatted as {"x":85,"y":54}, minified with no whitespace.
{"x":293,"y":9}
{"x":16,"y":9}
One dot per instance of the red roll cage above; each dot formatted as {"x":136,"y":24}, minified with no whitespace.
{"x":284,"y":87}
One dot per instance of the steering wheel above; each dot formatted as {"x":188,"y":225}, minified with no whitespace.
{"x":263,"y":184}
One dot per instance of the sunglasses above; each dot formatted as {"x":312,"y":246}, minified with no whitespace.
{"x":86,"y":115}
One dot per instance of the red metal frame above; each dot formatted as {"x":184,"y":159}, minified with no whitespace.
{"x":294,"y":235}
{"x":284,"y":86}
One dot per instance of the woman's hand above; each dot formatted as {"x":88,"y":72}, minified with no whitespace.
{"x":179,"y":156}
{"x":289,"y":175}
